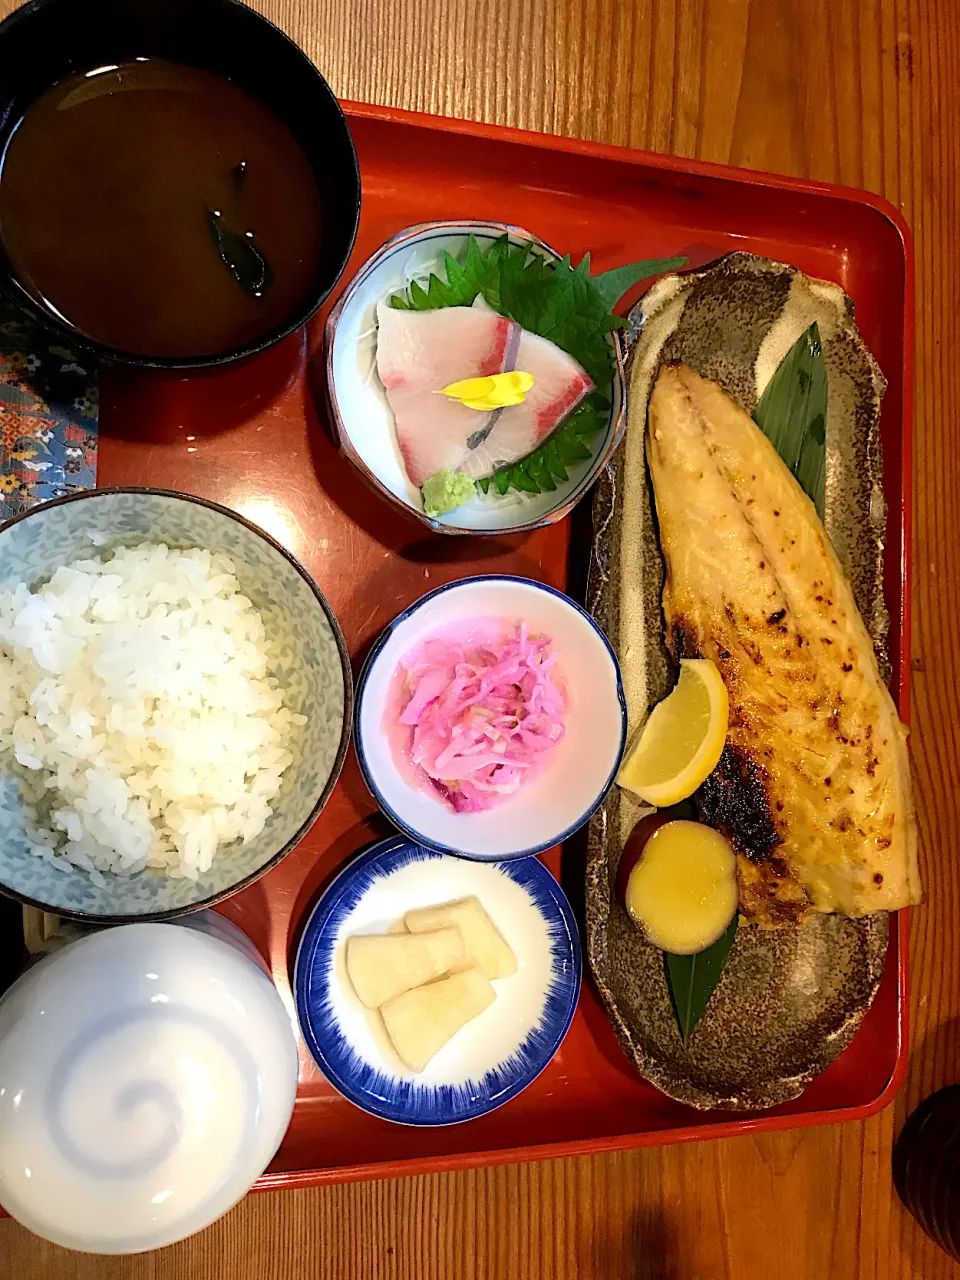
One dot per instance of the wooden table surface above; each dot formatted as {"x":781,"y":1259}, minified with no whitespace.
{"x":862,"y":92}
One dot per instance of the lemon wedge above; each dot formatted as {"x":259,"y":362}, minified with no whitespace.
{"x":682,"y":741}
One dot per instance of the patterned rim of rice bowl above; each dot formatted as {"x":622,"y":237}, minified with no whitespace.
{"x":312,"y":668}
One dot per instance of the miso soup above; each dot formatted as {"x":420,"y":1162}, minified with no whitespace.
{"x":160,"y":209}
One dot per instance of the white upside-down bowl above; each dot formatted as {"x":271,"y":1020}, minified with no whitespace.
{"x":147,"y":1077}
{"x":363,"y":421}
{"x":582,"y":766}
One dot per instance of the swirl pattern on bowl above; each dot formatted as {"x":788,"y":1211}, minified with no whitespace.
{"x":147,"y":1076}
{"x":127,"y":1102}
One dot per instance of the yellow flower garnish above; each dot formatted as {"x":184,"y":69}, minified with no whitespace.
{"x":498,"y":391}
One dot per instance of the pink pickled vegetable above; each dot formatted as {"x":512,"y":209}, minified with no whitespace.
{"x":484,"y":713}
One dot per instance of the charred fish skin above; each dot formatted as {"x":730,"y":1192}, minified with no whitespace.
{"x":814,"y":786}
{"x":735,"y":801}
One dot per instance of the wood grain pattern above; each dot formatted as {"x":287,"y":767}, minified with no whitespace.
{"x":865,"y":92}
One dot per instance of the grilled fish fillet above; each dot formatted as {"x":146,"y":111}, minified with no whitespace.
{"x":813,"y":787}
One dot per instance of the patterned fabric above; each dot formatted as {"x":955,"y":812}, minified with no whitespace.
{"x":49,"y":399}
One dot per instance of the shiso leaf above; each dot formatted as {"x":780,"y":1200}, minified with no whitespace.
{"x":558,"y":301}
{"x":612,"y":285}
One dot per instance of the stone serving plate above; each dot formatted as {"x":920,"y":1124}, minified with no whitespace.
{"x":313,"y":669}
{"x":789,"y":1000}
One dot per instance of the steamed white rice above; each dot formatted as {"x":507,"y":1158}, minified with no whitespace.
{"x":137,"y":704}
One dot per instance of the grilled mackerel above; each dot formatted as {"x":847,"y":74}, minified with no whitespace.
{"x":813,"y":788}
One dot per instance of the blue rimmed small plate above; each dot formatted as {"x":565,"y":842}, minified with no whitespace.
{"x":581,"y":768}
{"x":492,"y":1058}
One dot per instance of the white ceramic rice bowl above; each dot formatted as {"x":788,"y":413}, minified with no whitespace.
{"x":314,"y":673}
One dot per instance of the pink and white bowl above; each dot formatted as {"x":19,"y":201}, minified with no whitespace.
{"x":582,"y":767}
{"x":361,"y":418}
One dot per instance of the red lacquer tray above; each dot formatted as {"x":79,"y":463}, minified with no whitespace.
{"x":251,"y":438}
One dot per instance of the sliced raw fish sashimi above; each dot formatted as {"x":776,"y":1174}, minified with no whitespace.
{"x":559,"y":385}
{"x":421,"y":352}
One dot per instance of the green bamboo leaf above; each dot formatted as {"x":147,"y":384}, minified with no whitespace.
{"x":612,"y":285}
{"x":792,"y":414}
{"x":811,"y":468}
{"x":693,"y":979}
